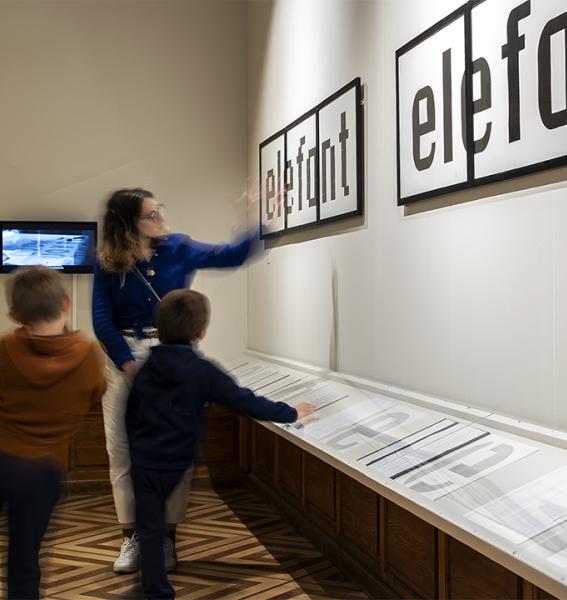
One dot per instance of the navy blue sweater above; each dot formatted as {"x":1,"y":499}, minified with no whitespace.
{"x":124,"y":302}
{"x":165,"y":406}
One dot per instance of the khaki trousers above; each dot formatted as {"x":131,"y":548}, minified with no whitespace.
{"x":114,"y":414}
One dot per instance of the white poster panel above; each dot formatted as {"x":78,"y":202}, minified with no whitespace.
{"x":345,"y":416}
{"x":301,"y":173}
{"x":355,"y":430}
{"x":405,"y":444}
{"x":527,"y":511}
{"x":338,"y":156}
{"x":551,"y":545}
{"x":294,"y":393}
{"x":425,"y":451}
{"x":320,"y":394}
{"x":272,"y":158}
{"x":520,"y":83}
{"x":458,"y":469}
{"x":432,"y":152}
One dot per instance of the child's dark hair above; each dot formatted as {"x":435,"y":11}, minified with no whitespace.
{"x":35,"y":294}
{"x":183,"y":315}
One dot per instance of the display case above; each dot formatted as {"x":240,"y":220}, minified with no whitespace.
{"x":431,"y":498}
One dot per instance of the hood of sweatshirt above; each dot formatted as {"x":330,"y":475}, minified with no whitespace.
{"x":168,"y":363}
{"x":44,"y":360}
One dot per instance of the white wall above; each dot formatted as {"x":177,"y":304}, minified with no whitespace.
{"x":467,"y":302}
{"x":101,"y":95}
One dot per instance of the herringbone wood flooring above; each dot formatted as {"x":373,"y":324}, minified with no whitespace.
{"x":232,"y":547}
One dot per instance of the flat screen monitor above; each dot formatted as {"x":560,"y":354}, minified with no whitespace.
{"x":66,"y":245}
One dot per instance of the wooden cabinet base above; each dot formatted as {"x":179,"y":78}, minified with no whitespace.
{"x":327,"y":542}
{"x":392,"y":552}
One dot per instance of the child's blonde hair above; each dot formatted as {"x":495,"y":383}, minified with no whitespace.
{"x":35,"y":294}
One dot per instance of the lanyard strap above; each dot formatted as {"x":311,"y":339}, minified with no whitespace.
{"x":146,"y":283}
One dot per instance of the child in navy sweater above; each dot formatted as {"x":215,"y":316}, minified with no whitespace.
{"x":163,"y":420}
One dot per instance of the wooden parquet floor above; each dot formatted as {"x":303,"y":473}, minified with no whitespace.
{"x":233,"y":547}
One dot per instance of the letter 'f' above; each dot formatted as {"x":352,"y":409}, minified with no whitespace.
{"x":511,"y":51}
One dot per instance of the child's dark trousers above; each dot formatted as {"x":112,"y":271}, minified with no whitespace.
{"x":151,"y":489}
{"x":29,"y":490}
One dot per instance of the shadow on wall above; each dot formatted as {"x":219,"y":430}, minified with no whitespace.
{"x":318,"y":231}
{"x":334,"y":339}
{"x":260,"y":16}
{"x":527,"y":182}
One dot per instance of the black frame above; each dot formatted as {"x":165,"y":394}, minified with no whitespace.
{"x":51,"y":226}
{"x":359,"y":117}
{"x":462,"y":11}
{"x":472,"y":181}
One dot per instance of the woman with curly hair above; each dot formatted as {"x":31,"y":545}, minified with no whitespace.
{"x":139,"y":263}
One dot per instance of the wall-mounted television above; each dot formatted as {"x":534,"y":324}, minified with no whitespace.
{"x":69,"y":246}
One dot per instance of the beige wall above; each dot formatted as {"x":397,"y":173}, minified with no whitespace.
{"x":97,"y":95}
{"x":467,"y":302}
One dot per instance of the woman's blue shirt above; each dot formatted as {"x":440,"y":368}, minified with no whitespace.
{"x":124,"y":302}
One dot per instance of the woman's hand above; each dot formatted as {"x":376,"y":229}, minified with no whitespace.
{"x":130,"y":369}
{"x":250,"y":196}
{"x":303,"y":409}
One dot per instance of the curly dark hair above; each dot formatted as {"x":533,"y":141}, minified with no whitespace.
{"x":120,"y":240}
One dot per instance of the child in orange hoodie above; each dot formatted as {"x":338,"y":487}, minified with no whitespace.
{"x":49,"y":377}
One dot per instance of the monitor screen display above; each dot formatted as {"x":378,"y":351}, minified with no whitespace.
{"x":69,"y":246}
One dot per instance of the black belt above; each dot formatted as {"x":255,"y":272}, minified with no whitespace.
{"x":148,"y":334}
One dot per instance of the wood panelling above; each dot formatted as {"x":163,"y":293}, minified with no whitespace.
{"x":244,"y":443}
{"x":442,"y":565}
{"x":224,"y":455}
{"x":88,"y":460}
{"x":263,"y":454}
{"x":224,"y":452}
{"x":88,"y":448}
{"x":410,"y":553}
{"x":221,"y":446}
{"x":543,"y":595}
{"x":532,"y":592}
{"x":358,"y":515}
{"x":289,"y":468}
{"x":472,"y":575}
{"x":319,"y":485}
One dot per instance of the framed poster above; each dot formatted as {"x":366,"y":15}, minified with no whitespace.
{"x":431,"y":94}
{"x":323,"y":178}
{"x":302,"y":172}
{"x":482,"y":97}
{"x":272,"y":155}
{"x":519,"y":52}
{"x":340,"y":146}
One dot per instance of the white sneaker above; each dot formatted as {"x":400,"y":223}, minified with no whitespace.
{"x":128,"y":560}
{"x":169,"y":555}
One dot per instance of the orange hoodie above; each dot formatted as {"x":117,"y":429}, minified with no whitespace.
{"x":47,"y":384}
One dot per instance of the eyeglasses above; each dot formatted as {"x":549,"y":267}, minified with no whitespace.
{"x":156,"y":214}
